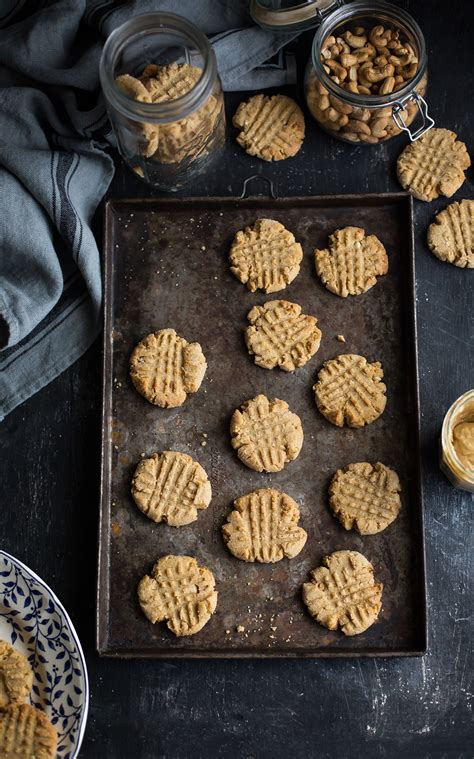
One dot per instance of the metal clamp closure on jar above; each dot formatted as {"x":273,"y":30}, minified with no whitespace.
{"x":366,"y":117}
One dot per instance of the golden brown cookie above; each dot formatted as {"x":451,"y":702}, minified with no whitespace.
{"x":147,"y":133}
{"x":451,"y":235}
{"x":265,"y":256}
{"x":264,"y":527}
{"x":342,"y":593}
{"x":180,"y":593}
{"x":352,"y":262}
{"x":365,"y":497}
{"x":170,"y":487}
{"x":266,"y":434}
{"x":280,"y":335}
{"x":16,"y":676}
{"x":349,"y":390}
{"x":272,"y":128}
{"x":164,"y":368}
{"x":26,"y":733}
{"x":433,"y":165}
{"x":184,"y":138}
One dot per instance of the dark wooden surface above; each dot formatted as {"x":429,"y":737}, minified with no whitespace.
{"x":49,"y":453}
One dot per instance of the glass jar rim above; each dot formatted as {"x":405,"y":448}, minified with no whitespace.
{"x":170,"y":110}
{"x":352,"y":10}
{"x":446,"y":435}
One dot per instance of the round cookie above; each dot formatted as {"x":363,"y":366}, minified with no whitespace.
{"x":265,"y":256}
{"x":147,"y":133}
{"x":180,"y":593}
{"x":184,"y":138}
{"x":266,"y":434}
{"x":342,"y":593}
{"x":280,"y":335}
{"x":164,"y":368}
{"x":433,"y":165}
{"x":16,"y":676}
{"x":272,"y":127}
{"x":27,"y":732}
{"x":264,"y":527}
{"x":451,"y":235}
{"x":365,"y":497}
{"x":170,"y":487}
{"x":349,"y":390}
{"x":351,"y":263}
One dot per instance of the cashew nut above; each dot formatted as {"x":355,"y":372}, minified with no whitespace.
{"x":378,"y":127}
{"x":376,"y":74}
{"x":357,"y":127}
{"x":348,"y":60}
{"x":387,"y":86}
{"x":377,"y":38}
{"x":355,"y":40}
{"x":339,"y":105}
{"x":337,"y":69}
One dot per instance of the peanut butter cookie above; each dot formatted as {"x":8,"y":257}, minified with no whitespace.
{"x":264,"y":527}
{"x":433,"y":165}
{"x":147,"y":133}
{"x":26,"y":732}
{"x":266,"y":434}
{"x":342,"y":593}
{"x":170,"y":487}
{"x":451,"y":235}
{"x":265,"y":256}
{"x":180,"y":593}
{"x":280,"y":335}
{"x":352,"y":262}
{"x":164,"y":368}
{"x":16,"y":677}
{"x":272,"y":128}
{"x":349,"y":390}
{"x":365,"y":497}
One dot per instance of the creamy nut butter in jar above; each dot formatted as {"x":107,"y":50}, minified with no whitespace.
{"x":457,"y":443}
{"x":367,"y":75}
{"x":164,"y":98}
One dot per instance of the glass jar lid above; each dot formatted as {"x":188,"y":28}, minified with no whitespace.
{"x":291,"y":15}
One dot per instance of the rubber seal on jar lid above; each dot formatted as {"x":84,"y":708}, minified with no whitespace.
{"x":291,"y":15}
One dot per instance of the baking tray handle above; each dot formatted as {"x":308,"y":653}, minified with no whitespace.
{"x":271,"y":188}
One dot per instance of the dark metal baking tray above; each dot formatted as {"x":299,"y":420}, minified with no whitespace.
{"x":166,"y":265}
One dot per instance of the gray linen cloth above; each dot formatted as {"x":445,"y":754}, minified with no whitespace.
{"x":54,"y":169}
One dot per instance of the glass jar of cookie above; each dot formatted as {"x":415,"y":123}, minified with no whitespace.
{"x":164,"y":98}
{"x":367,"y":76}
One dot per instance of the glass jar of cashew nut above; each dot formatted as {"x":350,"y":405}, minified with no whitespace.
{"x":367,"y":76}
{"x":164,"y":98}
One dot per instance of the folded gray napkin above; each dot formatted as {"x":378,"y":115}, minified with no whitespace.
{"x":54,"y":169}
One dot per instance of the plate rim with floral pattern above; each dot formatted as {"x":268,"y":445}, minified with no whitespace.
{"x":40,"y":628}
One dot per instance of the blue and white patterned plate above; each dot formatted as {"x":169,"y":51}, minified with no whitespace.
{"x":36,"y":623}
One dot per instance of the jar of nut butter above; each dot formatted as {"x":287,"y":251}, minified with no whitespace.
{"x":457,"y":443}
{"x":164,"y":98}
{"x":366,"y":78}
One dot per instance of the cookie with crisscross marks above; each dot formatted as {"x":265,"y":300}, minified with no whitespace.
{"x":266,"y":434}
{"x":265,"y":256}
{"x":433,"y":165}
{"x":170,"y":487}
{"x":365,"y":497}
{"x":280,"y":335}
{"x":264,"y":527}
{"x":451,"y":235}
{"x":343,"y":593}
{"x":165,"y":83}
{"x":349,"y":390}
{"x":16,"y":676}
{"x":27,"y":733}
{"x":164,"y":368}
{"x":352,"y":262}
{"x":179,"y":592}
{"x":272,"y":128}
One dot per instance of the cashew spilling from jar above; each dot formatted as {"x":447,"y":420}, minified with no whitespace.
{"x":364,"y":61}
